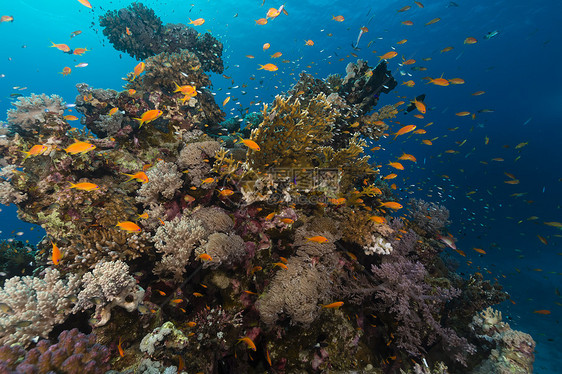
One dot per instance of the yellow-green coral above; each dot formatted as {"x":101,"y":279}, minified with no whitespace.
{"x":291,"y":134}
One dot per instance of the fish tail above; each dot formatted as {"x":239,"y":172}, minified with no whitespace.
{"x":27,"y":154}
{"x":72,"y":185}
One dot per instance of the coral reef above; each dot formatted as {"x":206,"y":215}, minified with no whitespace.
{"x":512,"y":351}
{"x":74,"y":353}
{"x":32,"y":306}
{"x":147,"y":36}
{"x":106,"y":286}
{"x":264,"y":242}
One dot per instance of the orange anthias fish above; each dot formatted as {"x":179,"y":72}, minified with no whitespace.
{"x":70,"y":117}
{"x":79,"y":51}
{"x":65,"y":71}
{"x":266,"y":46}
{"x":407,"y":157}
{"x":276,"y":55}
{"x":392,"y":205}
{"x":338,"y":18}
{"x":269,"y":67}
{"x":407,"y":23}
{"x":308,"y":42}
{"x":128,"y":226}
{"x":36,"y":150}
{"x":480,"y":250}
{"x":138,"y":176}
{"x":409,"y":83}
{"x":120,"y":348}
{"x":56,"y":256}
{"x":138,"y":69}
{"x":439,"y":81}
{"x":377,"y":219}
{"x":205,"y":257}
{"x":404,"y":130}
{"x":249,"y":342}
{"x":84,"y":186}
{"x":149,"y":116}
{"x":75,"y":33}
{"x":196,"y":22}
{"x":61,"y":47}
{"x":6,"y":19}
{"x":396,"y":165}
{"x":79,"y":147}
{"x":273,"y":13}
{"x":250,"y":144}
{"x":336,"y":304}
{"x":420,"y":106}
{"x":86,"y":3}
{"x":542,"y":311}
{"x":188,"y":90}
{"x":462,"y":114}
{"x":390,"y":176}
{"x":261,"y":21}
{"x":388,"y":55}
{"x":113,"y":111}
{"x":470,"y":40}
{"x":317,"y":239}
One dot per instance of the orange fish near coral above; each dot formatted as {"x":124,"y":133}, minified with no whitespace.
{"x":70,"y":117}
{"x":388,"y":55}
{"x":56,"y":256}
{"x":149,"y":116}
{"x":420,"y":106}
{"x":308,"y":42}
{"x":120,"y":348}
{"x":377,"y":219}
{"x":187,"y":90}
{"x":439,"y":81}
{"x":392,"y":205}
{"x":128,"y":226}
{"x":250,"y":144}
{"x":79,"y":147}
{"x":138,"y":69}
{"x":269,"y":67}
{"x":36,"y":150}
{"x":113,"y":111}
{"x":138,"y":176}
{"x":197,"y":22}
{"x":205,"y":257}
{"x":336,"y":305}
{"x":407,"y":157}
{"x":84,"y":186}
{"x":249,"y":342}
{"x":404,"y":130}
{"x":317,"y":239}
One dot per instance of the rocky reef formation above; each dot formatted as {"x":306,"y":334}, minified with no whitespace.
{"x":138,"y":31}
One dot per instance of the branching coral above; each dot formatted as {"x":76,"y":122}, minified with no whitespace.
{"x":33,"y":305}
{"x":108,"y":285}
{"x":35,"y":113}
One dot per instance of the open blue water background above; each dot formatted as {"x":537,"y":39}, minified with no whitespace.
{"x":519,"y":69}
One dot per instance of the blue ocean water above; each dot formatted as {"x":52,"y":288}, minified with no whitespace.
{"x":519,"y":133}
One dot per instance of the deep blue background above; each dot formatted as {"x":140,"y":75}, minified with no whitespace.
{"x":518,"y":69}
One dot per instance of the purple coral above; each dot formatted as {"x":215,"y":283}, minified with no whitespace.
{"x":416,"y":305}
{"x":75,"y":352}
